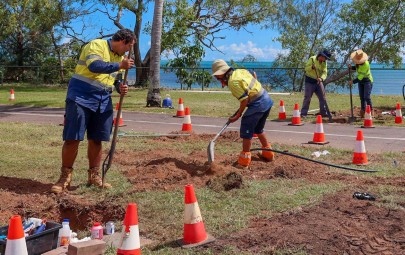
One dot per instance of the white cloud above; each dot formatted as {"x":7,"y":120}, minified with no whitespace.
{"x":238,"y":51}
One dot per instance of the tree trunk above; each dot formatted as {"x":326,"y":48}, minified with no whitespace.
{"x":153,"y":98}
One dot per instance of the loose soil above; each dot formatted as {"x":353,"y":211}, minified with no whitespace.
{"x":340,"y":224}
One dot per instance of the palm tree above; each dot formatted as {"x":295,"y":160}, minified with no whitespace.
{"x":153,"y":98}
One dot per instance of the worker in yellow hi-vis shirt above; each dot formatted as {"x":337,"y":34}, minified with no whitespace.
{"x":89,"y":105}
{"x":316,"y":70}
{"x":254,"y":99}
{"x":364,"y":79}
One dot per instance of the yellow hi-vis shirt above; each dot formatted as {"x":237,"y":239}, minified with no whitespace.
{"x":96,"y":50}
{"x":242,"y":85}
{"x":321,"y":68}
{"x":363,"y":71}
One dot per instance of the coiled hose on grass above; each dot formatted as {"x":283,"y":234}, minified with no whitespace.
{"x":315,"y":161}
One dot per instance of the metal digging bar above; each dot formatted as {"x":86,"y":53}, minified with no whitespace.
{"x":323,"y":92}
{"x":351,"y":119}
{"x":108,"y":160}
{"x":315,"y":161}
{"x":211,"y":145}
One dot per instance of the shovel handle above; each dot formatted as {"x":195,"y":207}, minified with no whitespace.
{"x":108,"y":160}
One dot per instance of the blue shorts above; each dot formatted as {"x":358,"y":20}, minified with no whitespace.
{"x":78,"y":119}
{"x":253,"y":124}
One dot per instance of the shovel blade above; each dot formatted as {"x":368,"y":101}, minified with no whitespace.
{"x":210,"y":151}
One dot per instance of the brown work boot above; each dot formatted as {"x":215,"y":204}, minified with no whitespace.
{"x":64,"y":180}
{"x":94,"y":178}
{"x":362,"y":114}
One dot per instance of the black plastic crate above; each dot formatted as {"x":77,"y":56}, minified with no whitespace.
{"x":40,"y":243}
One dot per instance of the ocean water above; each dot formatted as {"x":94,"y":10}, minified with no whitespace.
{"x":387,"y":81}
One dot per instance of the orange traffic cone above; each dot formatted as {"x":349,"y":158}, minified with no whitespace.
{"x":281,"y":111}
{"x":180,"y":109}
{"x":194,"y":231}
{"x":11,"y":97}
{"x":130,"y":243}
{"x":187,"y":121}
{"x":15,"y":238}
{"x":120,"y":121}
{"x":398,"y":114}
{"x":368,"y":119}
{"x":319,"y":135}
{"x":296,"y":119}
{"x":359,"y":155}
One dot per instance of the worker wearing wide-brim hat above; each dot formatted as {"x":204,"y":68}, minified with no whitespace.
{"x":254,"y":99}
{"x":364,"y":78}
{"x":316,"y":70}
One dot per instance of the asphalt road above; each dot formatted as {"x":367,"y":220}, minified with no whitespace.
{"x":338,"y":135}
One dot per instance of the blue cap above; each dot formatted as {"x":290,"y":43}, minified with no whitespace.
{"x":326,"y":53}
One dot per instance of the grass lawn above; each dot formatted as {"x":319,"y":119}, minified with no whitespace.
{"x":31,"y":151}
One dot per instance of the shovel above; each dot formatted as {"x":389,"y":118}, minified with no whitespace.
{"x":108,"y":160}
{"x":211,"y":145}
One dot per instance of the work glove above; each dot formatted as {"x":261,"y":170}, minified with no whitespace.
{"x":117,"y":84}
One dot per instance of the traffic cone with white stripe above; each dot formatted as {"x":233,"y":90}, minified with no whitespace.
{"x":11,"y":97}
{"x":121,"y":120}
{"x":368,"y":119}
{"x":281,"y":111}
{"x":194,"y":230}
{"x":296,"y":119}
{"x":319,"y":135}
{"x":187,"y":121}
{"x":359,"y":155}
{"x":130,"y":243}
{"x":398,"y":114}
{"x":15,"y":238}
{"x":180,"y":109}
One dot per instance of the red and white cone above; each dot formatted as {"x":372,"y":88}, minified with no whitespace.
{"x":121,"y":120}
{"x":187,"y":121}
{"x":319,"y":135}
{"x":359,"y":155}
{"x":180,"y":109}
{"x":281,"y":111}
{"x":194,"y":230}
{"x":296,"y":119}
{"x":15,"y":238}
{"x":368,"y":119}
{"x":11,"y":97}
{"x":130,"y":243}
{"x":398,"y":114}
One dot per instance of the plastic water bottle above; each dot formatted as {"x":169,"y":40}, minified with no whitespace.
{"x":64,"y":233}
{"x":97,"y":231}
{"x":109,"y":228}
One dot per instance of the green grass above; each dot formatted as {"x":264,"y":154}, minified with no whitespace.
{"x":32,"y":151}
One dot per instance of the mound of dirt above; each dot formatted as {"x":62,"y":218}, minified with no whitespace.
{"x":340,"y":224}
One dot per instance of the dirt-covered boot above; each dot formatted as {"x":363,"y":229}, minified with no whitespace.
{"x":64,"y":180}
{"x":94,"y":178}
{"x":362,"y":114}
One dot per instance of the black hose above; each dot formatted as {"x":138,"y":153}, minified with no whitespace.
{"x":315,"y":161}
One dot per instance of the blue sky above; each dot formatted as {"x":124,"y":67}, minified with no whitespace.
{"x":236,"y":45}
